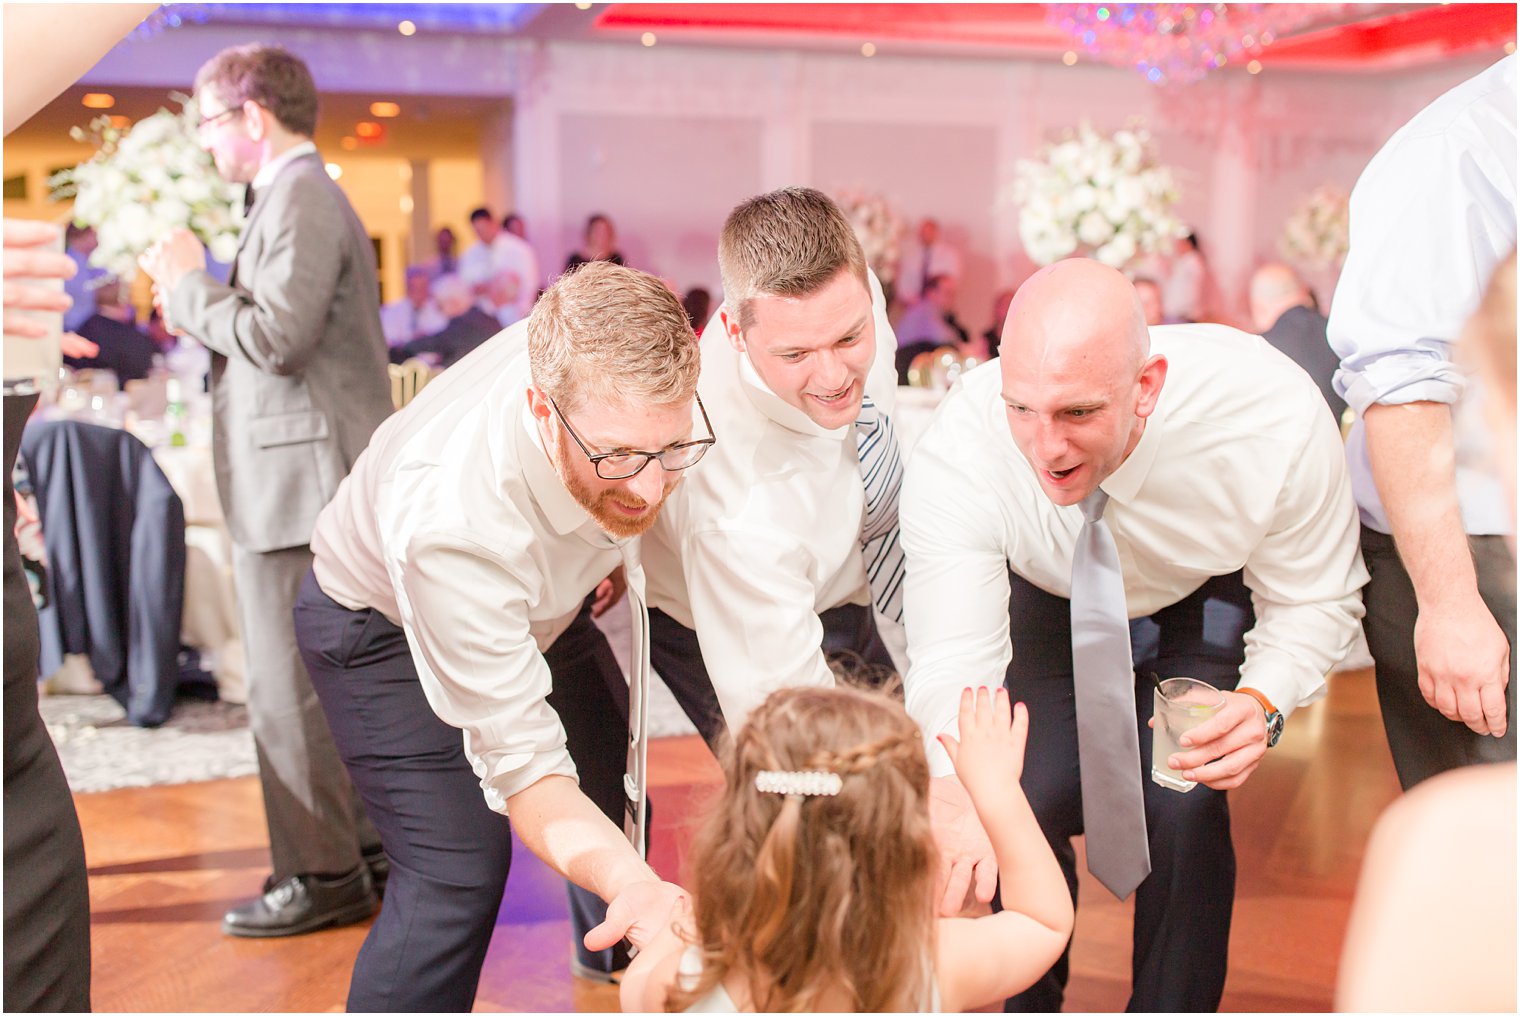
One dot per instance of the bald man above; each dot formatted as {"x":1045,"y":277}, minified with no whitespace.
{"x":1236,"y":536}
{"x":1284,"y":313}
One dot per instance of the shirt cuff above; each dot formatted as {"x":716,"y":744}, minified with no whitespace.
{"x":502,"y":786}
{"x":1396,"y":380}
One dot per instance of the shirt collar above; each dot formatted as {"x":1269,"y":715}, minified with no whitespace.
{"x":774,"y":408}
{"x":1124,"y":483}
{"x":271,"y":169}
{"x":563,"y":513}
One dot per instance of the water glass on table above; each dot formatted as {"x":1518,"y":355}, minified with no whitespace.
{"x":1181,"y":705}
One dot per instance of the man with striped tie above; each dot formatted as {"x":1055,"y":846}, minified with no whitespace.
{"x":771,"y":560}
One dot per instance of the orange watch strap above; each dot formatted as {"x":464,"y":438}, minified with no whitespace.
{"x":1266,"y":703}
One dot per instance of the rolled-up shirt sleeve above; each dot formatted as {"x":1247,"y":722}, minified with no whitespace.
{"x":1305,"y":577}
{"x":955,"y":593}
{"x":1423,"y":223}
{"x":464,"y":608}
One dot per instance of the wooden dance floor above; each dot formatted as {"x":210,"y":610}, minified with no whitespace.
{"x":166,"y":862}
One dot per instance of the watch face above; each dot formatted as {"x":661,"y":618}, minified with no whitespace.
{"x":1274,"y":729}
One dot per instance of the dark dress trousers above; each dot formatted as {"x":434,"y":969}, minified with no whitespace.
{"x":298,"y":384}
{"x":449,"y":851}
{"x":47,"y":897}
{"x":1182,"y":910}
{"x":850,"y":640}
{"x":114,"y":530}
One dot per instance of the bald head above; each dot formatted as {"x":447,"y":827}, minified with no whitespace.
{"x":1078,"y":310}
{"x":1078,"y":378}
{"x":1274,"y":289}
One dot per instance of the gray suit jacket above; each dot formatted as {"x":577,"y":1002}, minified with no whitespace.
{"x":298,"y":366}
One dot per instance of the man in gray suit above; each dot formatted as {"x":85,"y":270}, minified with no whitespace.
{"x":298,"y":384}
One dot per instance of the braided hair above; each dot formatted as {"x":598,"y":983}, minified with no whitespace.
{"x":819,"y":902}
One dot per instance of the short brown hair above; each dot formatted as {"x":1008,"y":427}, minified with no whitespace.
{"x":271,"y":77}
{"x":614,"y":334}
{"x":790,"y":242}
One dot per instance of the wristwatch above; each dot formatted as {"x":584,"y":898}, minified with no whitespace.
{"x":1275,"y":719}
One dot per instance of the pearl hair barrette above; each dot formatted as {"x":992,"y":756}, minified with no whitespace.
{"x":805,"y":784}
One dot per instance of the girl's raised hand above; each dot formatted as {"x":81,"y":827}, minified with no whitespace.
{"x":989,"y":756}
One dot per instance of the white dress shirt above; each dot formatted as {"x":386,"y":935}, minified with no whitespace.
{"x":271,"y":169}
{"x":455,"y":526}
{"x":764,"y":534}
{"x":1239,"y":467}
{"x":402,"y":321}
{"x":942,"y":258}
{"x":513,"y":256}
{"x":1431,"y":217}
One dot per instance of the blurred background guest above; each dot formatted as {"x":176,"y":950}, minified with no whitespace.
{"x":468,"y":326}
{"x":1283,"y":311}
{"x":447,"y":261}
{"x":1149,"y":292}
{"x":993,"y":335}
{"x":698,"y":306}
{"x":1185,"y":295}
{"x":926,"y":325}
{"x":513,"y":223}
{"x":928,"y":256}
{"x":415,"y":314}
{"x":600,"y":243}
{"x":79,"y":244}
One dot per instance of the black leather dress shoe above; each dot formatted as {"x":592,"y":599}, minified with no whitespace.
{"x":303,"y":903}
{"x":379,"y":868}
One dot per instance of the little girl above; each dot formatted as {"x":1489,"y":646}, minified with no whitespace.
{"x":813,"y":880}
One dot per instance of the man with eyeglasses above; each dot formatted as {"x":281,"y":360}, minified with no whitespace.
{"x":298,"y":384}
{"x":769,"y":561}
{"x":449,"y":595}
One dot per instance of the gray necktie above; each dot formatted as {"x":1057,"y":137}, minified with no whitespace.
{"x":1108,"y":745}
{"x":881,"y":472}
{"x":635,"y":779}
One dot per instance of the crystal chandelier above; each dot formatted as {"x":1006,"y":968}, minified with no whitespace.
{"x":1181,"y":43}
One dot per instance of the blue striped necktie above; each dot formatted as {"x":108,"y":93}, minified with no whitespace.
{"x":881,"y":471}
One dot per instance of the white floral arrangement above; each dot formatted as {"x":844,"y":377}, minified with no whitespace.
{"x":1318,"y":233}
{"x":145,"y":181}
{"x":1106,"y":196}
{"x":878,"y":227}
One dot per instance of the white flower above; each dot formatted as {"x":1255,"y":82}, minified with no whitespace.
{"x":878,"y":227}
{"x":153,"y":179}
{"x":224,"y":247}
{"x":1104,"y":194}
{"x":1094,"y":229}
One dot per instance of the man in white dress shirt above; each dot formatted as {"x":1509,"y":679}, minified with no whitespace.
{"x":1227,"y":500}
{"x":450,"y":593}
{"x":502,"y":268}
{"x":756,"y":568}
{"x":1431,"y":217}
{"x":414,"y":315}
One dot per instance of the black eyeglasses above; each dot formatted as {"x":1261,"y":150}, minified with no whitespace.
{"x":207,"y":121}
{"x":622,"y":465}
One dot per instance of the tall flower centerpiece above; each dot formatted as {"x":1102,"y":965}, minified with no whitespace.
{"x":146,"y":180}
{"x":878,"y":227}
{"x":1103,"y":195}
{"x":1318,"y":232}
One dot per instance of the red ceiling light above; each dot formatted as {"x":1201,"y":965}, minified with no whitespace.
{"x":368,"y":130}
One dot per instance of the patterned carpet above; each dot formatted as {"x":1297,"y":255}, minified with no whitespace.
{"x":210,"y":740}
{"x":102,"y":751}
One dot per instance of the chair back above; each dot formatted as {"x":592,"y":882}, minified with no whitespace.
{"x":407,"y":379}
